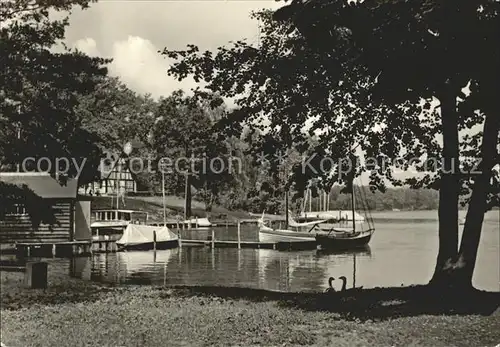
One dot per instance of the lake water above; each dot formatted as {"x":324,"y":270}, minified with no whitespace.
{"x":402,"y":251}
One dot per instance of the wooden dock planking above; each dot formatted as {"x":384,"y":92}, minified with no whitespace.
{"x":104,"y":246}
{"x":284,"y":245}
{"x":54,"y":249}
{"x":215,"y":224}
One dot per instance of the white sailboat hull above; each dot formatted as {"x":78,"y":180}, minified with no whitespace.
{"x":282,"y":235}
{"x":332,"y":215}
{"x":200,"y":223}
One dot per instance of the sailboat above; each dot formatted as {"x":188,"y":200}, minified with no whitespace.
{"x":198,"y":223}
{"x":353,"y":235}
{"x":293,"y":231}
{"x":331,"y":218}
{"x":146,"y":237}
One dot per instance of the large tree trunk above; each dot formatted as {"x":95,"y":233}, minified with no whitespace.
{"x":449,"y":190}
{"x":187,"y":195}
{"x":464,"y":267}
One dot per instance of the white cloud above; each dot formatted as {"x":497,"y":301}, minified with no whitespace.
{"x":132,"y":32}
{"x":88,"y":46}
{"x":138,"y":64}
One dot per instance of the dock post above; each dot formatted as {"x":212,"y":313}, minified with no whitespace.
{"x":179,"y":234}
{"x":239,"y":235}
{"x":154,"y":240}
{"x":213,"y":238}
{"x":35,"y":276}
{"x":53,"y":250}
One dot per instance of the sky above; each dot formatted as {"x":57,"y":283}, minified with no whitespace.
{"x":132,"y":32}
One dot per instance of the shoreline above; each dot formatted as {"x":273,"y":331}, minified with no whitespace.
{"x":183,"y":315}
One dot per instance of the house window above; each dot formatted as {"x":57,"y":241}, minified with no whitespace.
{"x":16,"y":210}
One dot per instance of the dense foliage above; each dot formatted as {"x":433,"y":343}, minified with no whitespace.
{"x":367,"y":74}
{"x":40,"y":91}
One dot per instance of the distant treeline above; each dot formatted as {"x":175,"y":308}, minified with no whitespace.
{"x":394,"y":198}
{"x":403,"y":199}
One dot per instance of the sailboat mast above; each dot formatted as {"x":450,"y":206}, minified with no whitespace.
{"x":328,"y":200}
{"x":325,"y":205}
{"x":286,"y":209}
{"x":186,"y":198}
{"x":117,"y":185}
{"x":310,"y":199}
{"x":353,"y":208}
{"x":163,"y":198}
{"x":304,"y":202}
{"x":320,"y":198}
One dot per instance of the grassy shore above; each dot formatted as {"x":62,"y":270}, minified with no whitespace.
{"x":77,"y":313}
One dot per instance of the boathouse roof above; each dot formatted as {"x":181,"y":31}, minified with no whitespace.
{"x":42,"y":184}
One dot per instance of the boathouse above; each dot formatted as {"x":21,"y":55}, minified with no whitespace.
{"x":71,"y":212}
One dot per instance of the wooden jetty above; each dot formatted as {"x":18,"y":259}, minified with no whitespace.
{"x":172,"y":224}
{"x":282,"y":246}
{"x":104,"y":246}
{"x":108,"y":245}
{"x":56,"y":249}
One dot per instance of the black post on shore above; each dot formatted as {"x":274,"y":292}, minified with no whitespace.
{"x":154,"y":240}
{"x":35,"y":275}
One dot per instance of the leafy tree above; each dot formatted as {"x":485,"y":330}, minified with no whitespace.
{"x":186,"y":138}
{"x":40,"y":90}
{"x":367,"y":73}
{"x":440,"y":59}
{"x":117,"y":114}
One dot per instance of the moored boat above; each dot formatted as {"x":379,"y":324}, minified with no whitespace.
{"x":198,"y":223}
{"x":338,"y":239}
{"x":110,"y":224}
{"x":331,"y":215}
{"x":294,"y":232}
{"x":146,"y":237}
{"x":267,"y":234}
{"x":354,"y":235}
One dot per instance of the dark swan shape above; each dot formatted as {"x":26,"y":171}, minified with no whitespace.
{"x":330,"y":289}
{"x":344,"y":285}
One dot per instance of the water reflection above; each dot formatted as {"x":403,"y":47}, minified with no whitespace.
{"x":261,"y":268}
{"x":399,"y":253}
{"x":79,"y":267}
